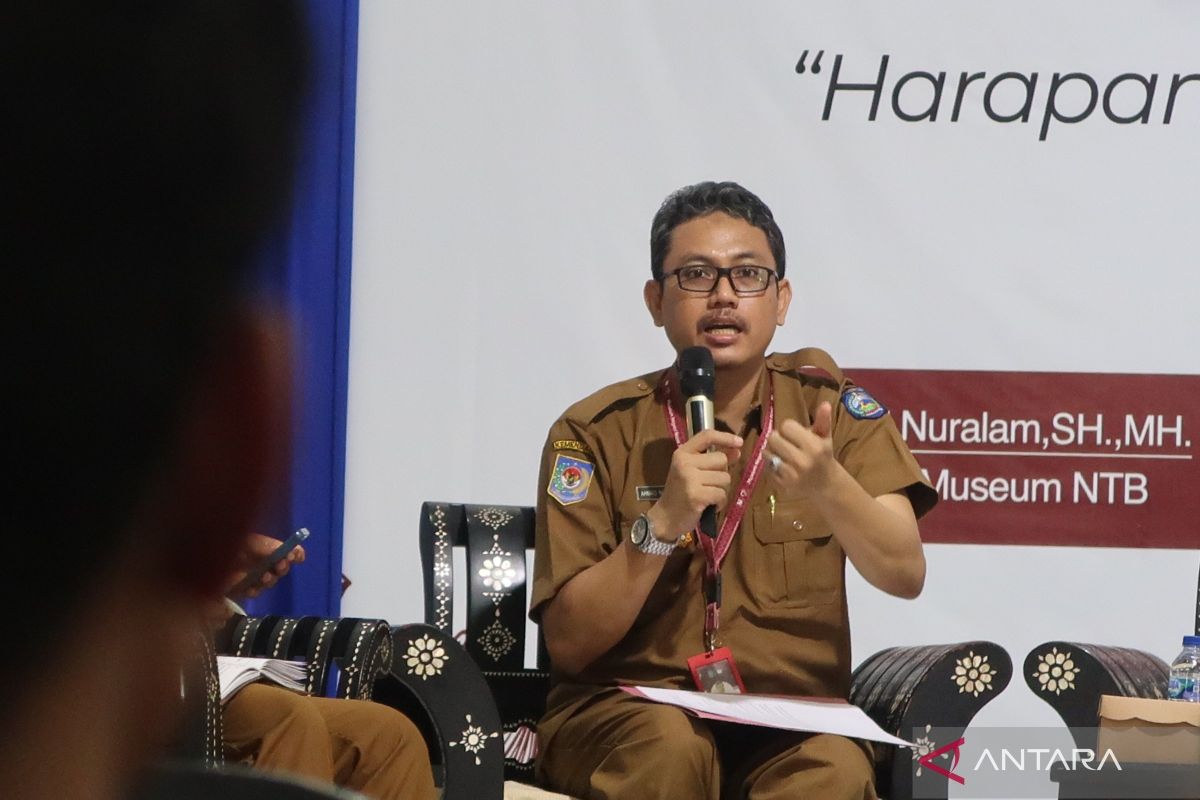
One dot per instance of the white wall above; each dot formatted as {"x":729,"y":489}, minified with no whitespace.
{"x":511,"y":156}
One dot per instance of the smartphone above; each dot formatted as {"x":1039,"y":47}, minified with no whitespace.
{"x":258,"y":570}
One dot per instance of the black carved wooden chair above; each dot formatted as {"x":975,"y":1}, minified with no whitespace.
{"x":415,"y":668}
{"x":1071,"y":677}
{"x":908,"y":691}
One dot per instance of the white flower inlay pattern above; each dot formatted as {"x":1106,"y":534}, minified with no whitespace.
{"x":498,"y":574}
{"x":494,"y":518}
{"x":924,"y":746}
{"x":474,"y":740}
{"x":973,"y":674}
{"x":425,"y":657}
{"x":497,"y":640}
{"x":1056,"y":672}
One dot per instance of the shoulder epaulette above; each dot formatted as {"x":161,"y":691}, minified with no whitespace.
{"x":807,"y":357}
{"x":595,"y":404}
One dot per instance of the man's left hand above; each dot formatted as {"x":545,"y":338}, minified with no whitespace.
{"x":800,"y":460}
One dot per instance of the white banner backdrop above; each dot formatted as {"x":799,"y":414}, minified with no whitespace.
{"x":511,"y":155}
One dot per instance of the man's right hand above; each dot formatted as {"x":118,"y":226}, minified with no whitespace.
{"x":697,"y":479}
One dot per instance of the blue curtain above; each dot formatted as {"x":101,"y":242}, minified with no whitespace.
{"x":308,"y":266}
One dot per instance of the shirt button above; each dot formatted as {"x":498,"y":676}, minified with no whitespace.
{"x":797,"y":524}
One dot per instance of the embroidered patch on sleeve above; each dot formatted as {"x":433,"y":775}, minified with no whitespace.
{"x":570,"y":479}
{"x":571,"y":444}
{"x":861,"y":405}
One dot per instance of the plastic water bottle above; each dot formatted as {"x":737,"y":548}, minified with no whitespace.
{"x":1184,"y":683}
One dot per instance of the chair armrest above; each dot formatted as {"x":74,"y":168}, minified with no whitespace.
{"x":1071,"y":676}
{"x":434,"y":681}
{"x":909,"y":690}
{"x":362,"y":650}
{"x":202,"y":734}
{"x":359,"y":649}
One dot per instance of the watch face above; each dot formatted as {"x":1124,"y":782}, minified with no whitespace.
{"x":637,"y":534}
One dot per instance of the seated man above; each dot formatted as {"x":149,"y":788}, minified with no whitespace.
{"x":358,"y":744}
{"x":807,"y":472}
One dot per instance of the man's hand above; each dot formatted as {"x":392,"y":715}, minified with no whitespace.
{"x":878,"y":534}
{"x":806,"y":464}
{"x":697,"y":479}
{"x":255,"y":549}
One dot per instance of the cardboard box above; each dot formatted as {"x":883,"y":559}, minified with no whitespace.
{"x":1154,"y":731}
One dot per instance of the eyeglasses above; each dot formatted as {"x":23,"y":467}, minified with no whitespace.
{"x":745,"y":279}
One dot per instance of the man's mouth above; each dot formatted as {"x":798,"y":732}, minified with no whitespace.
{"x":722,"y":327}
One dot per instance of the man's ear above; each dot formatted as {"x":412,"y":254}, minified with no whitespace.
{"x":783,"y":300}
{"x":652,"y":293}
{"x":231,"y":450}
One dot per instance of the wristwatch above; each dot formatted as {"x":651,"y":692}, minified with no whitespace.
{"x":643,"y":538}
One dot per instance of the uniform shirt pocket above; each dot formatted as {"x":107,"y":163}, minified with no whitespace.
{"x":803,"y":562}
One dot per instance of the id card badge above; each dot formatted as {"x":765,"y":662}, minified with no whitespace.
{"x":716,"y":672}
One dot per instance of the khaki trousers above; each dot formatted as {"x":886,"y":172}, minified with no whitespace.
{"x":619,"y":747}
{"x":361,"y":745}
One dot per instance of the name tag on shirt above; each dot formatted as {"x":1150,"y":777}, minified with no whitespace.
{"x":649,"y":492}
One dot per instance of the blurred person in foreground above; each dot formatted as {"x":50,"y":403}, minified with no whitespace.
{"x":148,"y":150}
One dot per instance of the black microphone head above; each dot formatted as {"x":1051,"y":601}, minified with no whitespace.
{"x":696,"y":372}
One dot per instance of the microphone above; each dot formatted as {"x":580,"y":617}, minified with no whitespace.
{"x":696,"y":380}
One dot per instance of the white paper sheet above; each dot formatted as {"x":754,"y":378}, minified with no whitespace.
{"x":234,"y":672}
{"x":793,"y":714}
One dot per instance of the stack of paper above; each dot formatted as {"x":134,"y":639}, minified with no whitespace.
{"x":237,"y":671}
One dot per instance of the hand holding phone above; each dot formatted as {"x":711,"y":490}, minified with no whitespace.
{"x":266,"y":564}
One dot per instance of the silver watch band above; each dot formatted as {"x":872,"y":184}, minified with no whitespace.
{"x":652,"y":545}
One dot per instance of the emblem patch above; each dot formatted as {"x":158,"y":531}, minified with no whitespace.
{"x":570,"y":479}
{"x":649,"y":492}
{"x":861,"y":405}
{"x":571,"y":444}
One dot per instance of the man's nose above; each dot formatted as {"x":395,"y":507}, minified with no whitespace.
{"x":723,"y":293}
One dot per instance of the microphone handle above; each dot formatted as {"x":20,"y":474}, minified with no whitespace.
{"x":700,"y":418}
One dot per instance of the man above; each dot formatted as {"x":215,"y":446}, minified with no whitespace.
{"x":806,"y":471}
{"x":148,"y":150}
{"x":358,"y":744}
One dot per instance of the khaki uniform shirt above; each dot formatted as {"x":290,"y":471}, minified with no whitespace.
{"x":783,"y":611}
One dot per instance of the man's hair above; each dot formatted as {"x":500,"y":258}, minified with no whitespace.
{"x":702,"y":199}
{"x":148,"y":147}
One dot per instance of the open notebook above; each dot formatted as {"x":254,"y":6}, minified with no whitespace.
{"x":237,"y":671}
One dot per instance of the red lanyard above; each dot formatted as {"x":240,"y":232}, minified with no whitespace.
{"x":715,"y":551}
